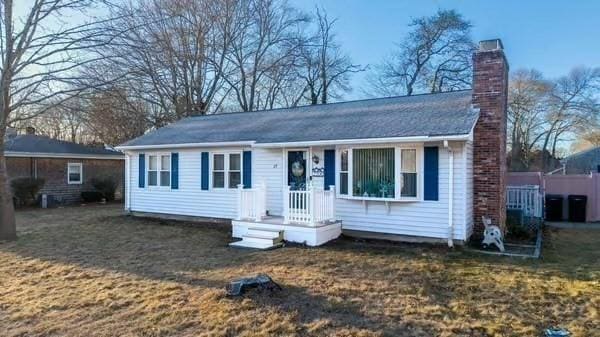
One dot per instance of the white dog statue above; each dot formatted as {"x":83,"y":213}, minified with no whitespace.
{"x":492,"y":235}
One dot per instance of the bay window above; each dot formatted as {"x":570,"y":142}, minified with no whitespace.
{"x":387,"y":173}
{"x":408,"y":169}
{"x":344,"y":172}
{"x":159,"y":170}
{"x":373,"y":173}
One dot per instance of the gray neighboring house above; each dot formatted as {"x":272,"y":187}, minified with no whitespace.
{"x":67,"y":168}
{"x":583,"y":162}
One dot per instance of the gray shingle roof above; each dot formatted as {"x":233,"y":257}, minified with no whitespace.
{"x":440,"y":114}
{"x":45,"y":145}
{"x":583,"y":162}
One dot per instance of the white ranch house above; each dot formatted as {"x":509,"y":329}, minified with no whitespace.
{"x":399,"y":166}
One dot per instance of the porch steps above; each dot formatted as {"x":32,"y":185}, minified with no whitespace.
{"x":260,"y":238}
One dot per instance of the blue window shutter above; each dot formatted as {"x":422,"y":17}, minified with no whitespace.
{"x":204,"y":173}
{"x":431,"y":179}
{"x":174,"y":170}
{"x":247,"y":167}
{"x":329,"y":166}
{"x":142,"y":170}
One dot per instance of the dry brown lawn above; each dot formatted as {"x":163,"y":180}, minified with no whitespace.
{"x":91,"y":271}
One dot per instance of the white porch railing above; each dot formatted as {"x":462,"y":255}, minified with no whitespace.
{"x":252,"y":202}
{"x":308,"y":207}
{"x":527,"y":198}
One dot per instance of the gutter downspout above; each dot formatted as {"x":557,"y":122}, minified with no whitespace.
{"x":450,"y":194}
{"x":128,"y":183}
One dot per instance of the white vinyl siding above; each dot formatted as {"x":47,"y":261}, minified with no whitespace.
{"x":268,"y":168}
{"x":415,"y":217}
{"x":189,"y":199}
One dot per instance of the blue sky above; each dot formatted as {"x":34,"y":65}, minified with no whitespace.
{"x":551,"y":36}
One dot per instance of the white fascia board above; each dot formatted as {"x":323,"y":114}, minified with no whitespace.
{"x":184,"y":145}
{"x":366,"y":141}
{"x":299,"y":144}
{"x":60,"y":155}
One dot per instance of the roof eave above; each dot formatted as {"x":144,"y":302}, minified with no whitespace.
{"x":459,"y":137}
{"x":19,"y":154}
{"x":183,"y":145}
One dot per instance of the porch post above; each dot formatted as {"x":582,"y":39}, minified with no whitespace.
{"x":311,"y":204}
{"x":240,"y":189}
{"x":286,"y":204}
{"x":332,"y":197}
{"x":262,"y":204}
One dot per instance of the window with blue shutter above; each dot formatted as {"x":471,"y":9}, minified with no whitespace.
{"x":204,"y":171}
{"x":247,"y":167}
{"x":329,"y":166}
{"x":431,"y":173}
{"x":174,"y":170}
{"x":141,"y":170}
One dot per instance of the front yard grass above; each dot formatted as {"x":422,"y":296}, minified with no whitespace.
{"x":90,"y":271}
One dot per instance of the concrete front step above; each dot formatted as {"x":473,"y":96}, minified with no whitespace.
{"x":266,"y":232}
{"x":246,"y":244}
{"x":260,"y":238}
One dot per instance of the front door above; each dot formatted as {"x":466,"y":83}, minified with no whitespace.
{"x":296,"y":167}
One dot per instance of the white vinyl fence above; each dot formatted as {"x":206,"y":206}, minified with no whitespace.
{"x":251,"y":202}
{"x":528,"y":198}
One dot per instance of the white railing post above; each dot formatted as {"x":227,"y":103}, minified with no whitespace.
{"x":311,"y":204}
{"x":240,"y":190}
{"x":332,"y":201}
{"x":260,"y":195}
{"x":286,"y":204}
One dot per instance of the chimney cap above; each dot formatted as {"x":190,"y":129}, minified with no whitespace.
{"x":490,"y":45}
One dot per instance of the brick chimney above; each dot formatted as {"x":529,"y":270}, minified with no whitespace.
{"x":490,"y":94}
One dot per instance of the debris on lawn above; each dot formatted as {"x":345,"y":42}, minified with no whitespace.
{"x":556,"y":332}
{"x":260,"y":281}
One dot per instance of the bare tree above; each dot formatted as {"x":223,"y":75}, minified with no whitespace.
{"x":172,"y":55}
{"x":572,"y":106}
{"x":528,"y":97}
{"x":325,"y":68}
{"x":113,"y":117}
{"x":435,"y":56}
{"x":39,"y":54}
{"x":542,"y":114}
{"x":61,"y":120}
{"x":267,"y":38}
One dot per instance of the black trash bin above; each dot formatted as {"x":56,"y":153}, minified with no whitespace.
{"x":577,"y":204}
{"x":554,"y":207}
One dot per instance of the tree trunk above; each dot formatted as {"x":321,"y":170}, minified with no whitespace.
{"x":8,"y":228}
